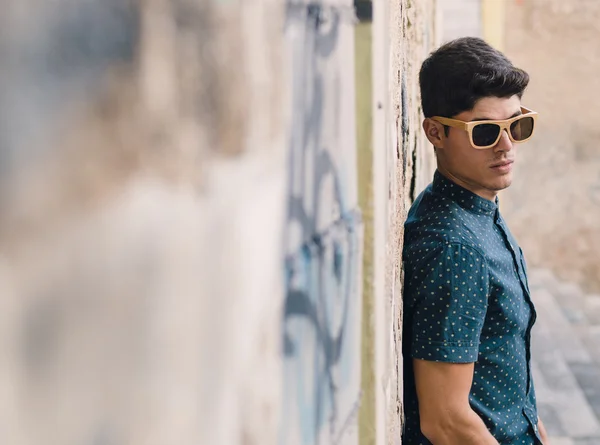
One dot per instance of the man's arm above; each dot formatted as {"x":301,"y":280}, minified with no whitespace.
{"x":446,"y":415}
{"x":543,"y":432}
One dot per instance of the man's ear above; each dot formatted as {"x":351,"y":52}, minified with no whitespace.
{"x":434,"y":132}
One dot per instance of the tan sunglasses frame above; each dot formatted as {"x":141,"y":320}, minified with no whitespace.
{"x":503,"y":124}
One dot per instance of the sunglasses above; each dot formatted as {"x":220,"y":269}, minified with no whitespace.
{"x":487,"y":133}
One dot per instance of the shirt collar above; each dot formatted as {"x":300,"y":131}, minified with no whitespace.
{"x":463,"y":197}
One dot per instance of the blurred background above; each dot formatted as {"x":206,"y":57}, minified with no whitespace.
{"x":201,"y":210}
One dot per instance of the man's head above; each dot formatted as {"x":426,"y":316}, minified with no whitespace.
{"x":467,"y":79}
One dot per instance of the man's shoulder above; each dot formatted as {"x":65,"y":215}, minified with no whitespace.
{"x":430,"y":205}
{"x":436,"y":219}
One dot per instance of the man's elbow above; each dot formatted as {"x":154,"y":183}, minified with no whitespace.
{"x":435,"y":430}
{"x":443,"y":426}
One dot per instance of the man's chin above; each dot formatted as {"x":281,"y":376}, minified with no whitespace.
{"x":502,"y":183}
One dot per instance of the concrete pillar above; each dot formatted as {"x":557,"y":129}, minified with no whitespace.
{"x":404,"y":33}
{"x":381,"y":185}
{"x":493,"y":15}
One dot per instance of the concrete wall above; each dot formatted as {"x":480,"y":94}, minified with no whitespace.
{"x":554,"y":204}
{"x":322,"y":314}
{"x":404,"y":34}
{"x":181,"y":242}
{"x":142,"y":209}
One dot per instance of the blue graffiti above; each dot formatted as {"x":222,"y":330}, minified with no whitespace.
{"x":322,"y":305}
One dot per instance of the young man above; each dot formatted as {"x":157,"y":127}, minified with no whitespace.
{"x":467,"y":309}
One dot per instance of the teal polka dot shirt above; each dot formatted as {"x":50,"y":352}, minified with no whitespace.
{"x":466,"y":300}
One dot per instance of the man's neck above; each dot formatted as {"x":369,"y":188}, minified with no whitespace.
{"x":484,"y":193}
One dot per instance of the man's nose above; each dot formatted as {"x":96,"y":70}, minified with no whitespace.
{"x":504,"y":144}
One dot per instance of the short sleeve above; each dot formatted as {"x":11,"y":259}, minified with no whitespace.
{"x":449,"y":293}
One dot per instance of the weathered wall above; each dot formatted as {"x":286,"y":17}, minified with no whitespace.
{"x":554,"y":204}
{"x":322,"y":318}
{"x":142,"y":211}
{"x":404,"y":34}
{"x":364,"y":142}
{"x":181,"y":243}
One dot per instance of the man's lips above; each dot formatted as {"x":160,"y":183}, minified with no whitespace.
{"x":502,"y":163}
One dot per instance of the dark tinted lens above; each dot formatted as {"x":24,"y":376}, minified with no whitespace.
{"x":485,"y":134}
{"x":522,"y":128}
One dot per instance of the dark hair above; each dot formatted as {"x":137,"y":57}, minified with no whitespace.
{"x":459,"y":73}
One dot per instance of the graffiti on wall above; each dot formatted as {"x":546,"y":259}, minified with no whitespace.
{"x":321,"y":327}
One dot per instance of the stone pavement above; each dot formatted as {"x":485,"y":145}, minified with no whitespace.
{"x":566,"y":359}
